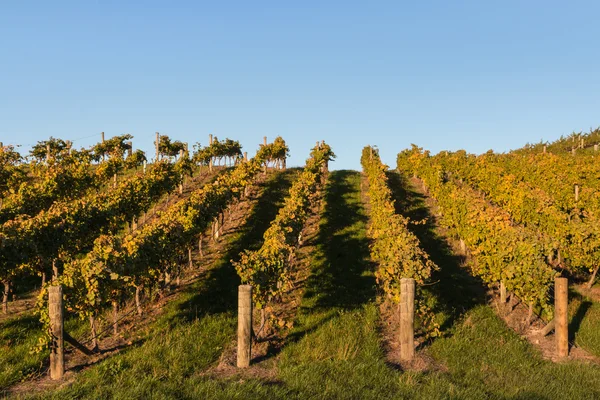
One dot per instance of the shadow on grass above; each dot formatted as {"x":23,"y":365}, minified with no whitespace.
{"x":578,"y":317}
{"x":341,"y":277}
{"x":455,"y":290}
{"x":19,"y":327}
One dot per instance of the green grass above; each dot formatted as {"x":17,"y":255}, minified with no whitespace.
{"x":334,"y":350}
{"x":584,"y":322}
{"x":17,"y":338}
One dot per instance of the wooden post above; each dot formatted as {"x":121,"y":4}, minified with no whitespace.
{"x":144,"y":167}
{"x":102,"y":135}
{"x":581,"y":143}
{"x":463,"y":247}
{"x":5,"y":296}
{"x":544,"y":149}
{"x":265,"y":140}
{"x":190,"y":257}
{"x":138,"y":302}
{"x":245,"y":156}
{"x":115,"y":306}
{"x":157,"y":140}
{"x":210,"y":162}
{"x":407,"y":317}
{"x":573,"y":151}
{"x":181,"y":183}
{"x":57,"y":355}
{"x":244,"y":350}
{"x":502,"y":293}
{"x":561,"y":302}
{"x":576,"y":192}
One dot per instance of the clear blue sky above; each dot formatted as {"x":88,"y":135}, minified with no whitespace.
{"x":445,"y":75}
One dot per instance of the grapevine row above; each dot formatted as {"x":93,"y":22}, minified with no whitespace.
{"x":502,"y":251}
{"x":268,"y":268}
{"x":572,"y":241}
{"x":118,"y":263}
{"x":395,"y":249}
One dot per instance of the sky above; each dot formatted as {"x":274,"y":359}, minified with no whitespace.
{"x":474,"y":75}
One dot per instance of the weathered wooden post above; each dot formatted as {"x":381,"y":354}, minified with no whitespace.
{"x":463,"y":247}
{"x":144,"y":167}
{"x":576,"y":192}
{"x":5,"y":295}
{"x":182,"y":178}
{"x":544,"y":149}
{"x":115,"y":307}
{"x":502,"y":293}
{"x":244,"y":350}
{"x":407,"y":318}
{"x":245,"y":156}
{"x":157,"y":147}
{"x":210,"y":162}
{"x":264,"y":140}
{"x":57,"y":355}
{"x":561,"y":302}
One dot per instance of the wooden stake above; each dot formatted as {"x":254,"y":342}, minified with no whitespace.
{"x":54,"y":270}
{"x":502,"y":293}
{"x":115,"y":306}
{"x":157,"y":152}
{"x":138,"y":303}
{"x":544,"y":149}
{"x":5,"y":296}
{"x":407,"y":318}
{"x":561,"y":302}
{"x":463,"y":247}
{"x":265,"y":140}
{"x":244,"y":350}
{"x":576,"y":192}
{"x":57,"y":353}
{"x":93,"y":332}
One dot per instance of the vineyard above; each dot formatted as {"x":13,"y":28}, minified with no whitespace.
{"x":212,"y":272}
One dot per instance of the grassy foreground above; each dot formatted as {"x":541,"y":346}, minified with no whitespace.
{"x":335,"y":351}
